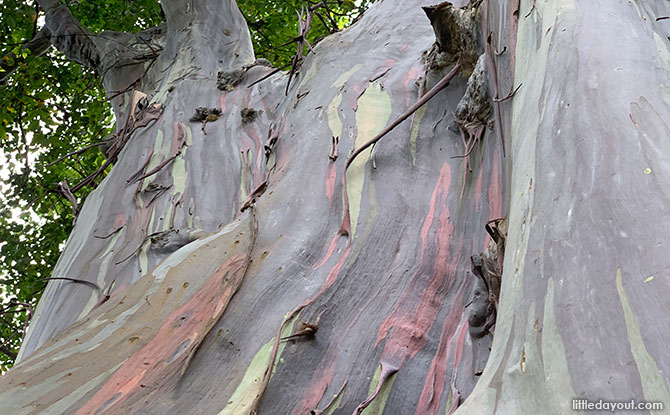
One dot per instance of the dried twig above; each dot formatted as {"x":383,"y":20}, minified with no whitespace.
{"x":331,"y":402}
{"x":532,"y":7}
{"x":263,"y":78}
{"x":497,"y":52}
{"x":64,"y":189}
{"x":76,"y":280}
{"x":110,"y":234}
{"x":510,"y":95}
{"x":175,"y":153}
{"x":333,"y":148}
{"x":344,"y":228}
{"x":430,"y":94}
{"x":80,"y":151}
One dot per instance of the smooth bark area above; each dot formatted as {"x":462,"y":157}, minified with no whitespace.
{"x":385,"y":307}
{"x":579,"y":316}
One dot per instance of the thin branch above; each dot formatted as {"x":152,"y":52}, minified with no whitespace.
{"x":510,"y":95}
{"x":269,"y":75}
{"x":331,"y":402}
{"x":345,"y":227}
{"x":430,"y":94}
{"x":76,"y":280}
{"x":109,"y":234}
{"x":64,"y":189}
{"x":324,"y":22}
{"x":135,"y":251}
{"x":37,"y":18}
{"x":4,"y":348}
{"x":24,"y":141}
{"x":497,"y":52}
{"x":80,"y":151}
{"x":7,"y":351}
{"x":155,"y":169}
{"x":496,"y":89}
{"x":133,"y":84}
{"x":40,"y":44}
{"x":532,"y":7}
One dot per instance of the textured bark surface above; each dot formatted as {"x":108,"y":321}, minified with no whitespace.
{"x":588,"y":132}
{"x":201,"y":293}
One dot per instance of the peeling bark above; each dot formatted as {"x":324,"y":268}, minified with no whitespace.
{"x":201,"y":294}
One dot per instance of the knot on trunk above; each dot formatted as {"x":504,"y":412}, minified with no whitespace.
{"x":205,"y":114}
{"x":456,"y":31}
{"x":475,"y":107}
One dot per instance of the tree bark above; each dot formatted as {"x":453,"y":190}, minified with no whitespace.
{"x":390,"y":316}
{"x":580,"y":316}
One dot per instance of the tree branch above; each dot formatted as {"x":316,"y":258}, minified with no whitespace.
{"x":433,"y":91}
{"x":7,"y":351}
{"x":68,"y":35}
{"x":40,"y":44}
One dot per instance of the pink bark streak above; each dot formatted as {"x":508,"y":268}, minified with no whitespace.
{"x":429,"y":401}
{"x":414,"y":314}
{"x":331,"y":175}
{"x":406,"y":82}
{"x":324,"y":376}
{"x":119,"y":220}
{"x":458,"y":354}
{"x":495,"y":188}
{"x":478,"y":188}
{"x":156,"y":364}
{"x":222,"y":102}
{"x":179,"y":135}
{"x":332,"y":275}
{"x":321,"y":379}
{"x":331,"y":248}
{"x":352,"y":99}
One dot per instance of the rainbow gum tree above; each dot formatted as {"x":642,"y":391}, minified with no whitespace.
{"x":375,"y":263}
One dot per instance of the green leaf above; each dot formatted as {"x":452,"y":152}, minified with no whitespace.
{"x":348,"y":5}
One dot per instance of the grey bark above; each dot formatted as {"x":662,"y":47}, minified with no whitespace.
{"x":201,"y":294}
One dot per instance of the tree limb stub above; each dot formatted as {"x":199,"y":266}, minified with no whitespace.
{"x":456,"y":31}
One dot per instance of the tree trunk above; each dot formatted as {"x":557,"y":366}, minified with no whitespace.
{"x":382,"y":273}
{"x":581,"y":316}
